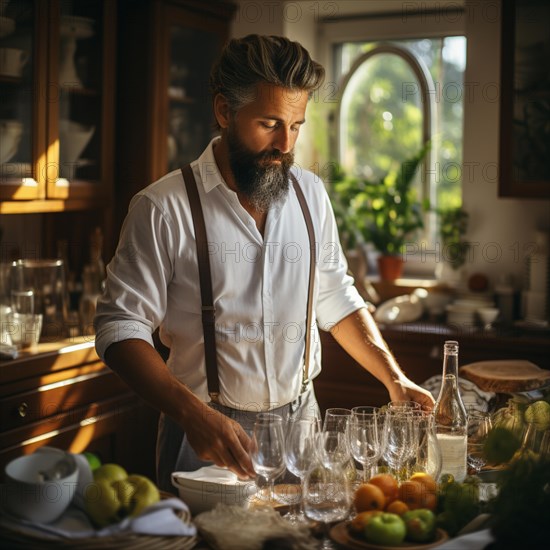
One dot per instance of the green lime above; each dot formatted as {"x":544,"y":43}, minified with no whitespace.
{"x":539,"y":414}
{"x":93,"y":460}
{"x":446,"y":479}
{"x":500,"y":445}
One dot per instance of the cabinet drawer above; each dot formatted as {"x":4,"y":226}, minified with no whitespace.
{"x":59,"y":397}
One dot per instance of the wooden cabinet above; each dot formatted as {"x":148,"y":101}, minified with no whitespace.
{"x":66,"y":397}
{"x":419,"y":350}
{"x":164,"y":107}
{"x":57,"y":111}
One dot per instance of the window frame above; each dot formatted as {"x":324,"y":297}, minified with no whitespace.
{"x":383,"y":28}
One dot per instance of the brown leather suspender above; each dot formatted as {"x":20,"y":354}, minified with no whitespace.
{"x":205,"y":278}
{"x":311,"y":283}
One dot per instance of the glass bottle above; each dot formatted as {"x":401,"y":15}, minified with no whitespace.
{"x":93,"y":281}
{"x":451,"y":418}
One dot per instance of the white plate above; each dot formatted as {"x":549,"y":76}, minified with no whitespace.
{"x":402,"y":309}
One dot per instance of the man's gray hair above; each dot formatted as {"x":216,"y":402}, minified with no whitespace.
{"x":245,"y":62}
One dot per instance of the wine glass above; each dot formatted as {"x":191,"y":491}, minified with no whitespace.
{"x":479,"y":426}
{"x":399,"y":440}
{"x":327,"y":496}
{"x":428,"y":457}
{"x":364,"y":438}
{"x":300,"y":451}
{"x":268,"y":449}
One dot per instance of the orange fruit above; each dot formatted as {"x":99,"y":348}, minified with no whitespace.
{"x":397,"y":507}
{"x":411,"y":492}
{"x":429,"y":501}
{"x":426,"y":479}
{"x":388,"y":484}
{"x":369,"y":497}
{"x":359,"y":522}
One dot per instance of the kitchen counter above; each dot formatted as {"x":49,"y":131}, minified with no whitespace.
{"x":418,"y":347}
{"x":61,"y":394}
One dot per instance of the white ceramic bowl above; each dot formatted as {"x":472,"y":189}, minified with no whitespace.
{"x":10,"y":136}
{"x":74,"y":138}
{"x":488,"y":314}
{"x":27,"y":497}
{"x":203,"y":489}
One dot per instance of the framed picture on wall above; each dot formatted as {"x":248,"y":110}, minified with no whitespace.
{"x":524,"y":167}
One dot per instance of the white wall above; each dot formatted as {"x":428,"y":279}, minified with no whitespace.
{"x":501,"y":229}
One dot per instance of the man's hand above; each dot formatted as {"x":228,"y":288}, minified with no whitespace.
{"x":220,"y":439}
{"x":406,"y":390}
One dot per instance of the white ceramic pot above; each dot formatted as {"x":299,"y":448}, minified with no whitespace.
{"x":74,"y":138}
{"x":10,"y":136}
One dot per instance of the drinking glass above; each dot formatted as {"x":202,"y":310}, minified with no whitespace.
{"x":300,"y":453}
{"x":364,"y":438}
{"x":327,"y":496}
{"x":479,"y":426}
{"x":399,"y":441}
{"x":268,"y":449}
{"x":428,"y":457}
{"x":404,"y":406}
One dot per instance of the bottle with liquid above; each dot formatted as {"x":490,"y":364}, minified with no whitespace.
{"x":451,"y":418}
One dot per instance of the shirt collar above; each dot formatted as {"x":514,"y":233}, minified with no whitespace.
{"x":208,"y":168}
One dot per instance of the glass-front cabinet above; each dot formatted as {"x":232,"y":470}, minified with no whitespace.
{"x":190,"y":119}
{"x":57,"y":111}
{"x":164,"y":109}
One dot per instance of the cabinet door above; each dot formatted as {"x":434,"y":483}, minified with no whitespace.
{"x":185,"y":125}
{"x":23,"y":64}
{"x":81,"y":102}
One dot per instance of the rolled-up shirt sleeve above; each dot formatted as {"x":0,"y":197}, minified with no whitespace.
{"x":134,"y":301}
{"x":338,"y":296}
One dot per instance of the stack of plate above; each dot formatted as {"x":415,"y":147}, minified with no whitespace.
{"x":463,"y":310}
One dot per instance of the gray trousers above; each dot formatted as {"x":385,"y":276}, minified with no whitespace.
{"x":175,"y":454}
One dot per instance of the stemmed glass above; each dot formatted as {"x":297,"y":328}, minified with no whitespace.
{"x":268,"y":449}
{"x":364,"y":438}
{"x":334,"y":445}
{"x":479,"y":426}
{"x":399,"y":442}
{"x":300,"y":453}
{"x":327,"y":496}
{"x":428,"y":452}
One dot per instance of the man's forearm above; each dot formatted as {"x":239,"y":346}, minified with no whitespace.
{"x":144,"y":371}
{"x":359,"y":336}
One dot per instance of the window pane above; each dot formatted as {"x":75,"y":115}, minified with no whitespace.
{"x":378,"y":128}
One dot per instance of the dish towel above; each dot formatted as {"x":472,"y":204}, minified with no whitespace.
{"x":168,"y":517}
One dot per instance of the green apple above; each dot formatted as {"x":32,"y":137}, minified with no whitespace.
{"x":93,"y":460}
{"x":386,"y":529}
{"x":115,"y":495}
{"x":421,"y":525}
{"x":110,"y":472}
{"x":145,"y":493}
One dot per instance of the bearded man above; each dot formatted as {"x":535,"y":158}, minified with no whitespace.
{"x":240,"y":307}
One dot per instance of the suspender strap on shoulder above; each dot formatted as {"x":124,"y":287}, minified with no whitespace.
{"x":311,"y":283}
{"x":205,"y":278}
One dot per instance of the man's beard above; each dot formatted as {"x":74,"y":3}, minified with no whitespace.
{"x":260,"y":181}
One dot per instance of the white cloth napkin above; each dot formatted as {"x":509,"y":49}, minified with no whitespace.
{"x":473,"y":541}
{"x":160,"y":519}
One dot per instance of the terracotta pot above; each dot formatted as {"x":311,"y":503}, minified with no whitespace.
{"x":390,"y":267}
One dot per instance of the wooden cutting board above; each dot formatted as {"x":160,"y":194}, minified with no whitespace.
{"x":506,"y":376}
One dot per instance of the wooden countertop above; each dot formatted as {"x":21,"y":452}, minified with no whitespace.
{"x":49,"y":356}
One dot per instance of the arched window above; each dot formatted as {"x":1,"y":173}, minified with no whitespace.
{"x":385,"y":113}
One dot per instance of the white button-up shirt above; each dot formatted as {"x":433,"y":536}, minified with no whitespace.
{"x":260,"y":285}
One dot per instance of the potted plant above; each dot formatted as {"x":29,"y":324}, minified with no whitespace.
{"x":453,"y":224}
{"x":385,"y":213}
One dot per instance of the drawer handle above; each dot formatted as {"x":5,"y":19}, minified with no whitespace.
{"x":22,"y":410}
